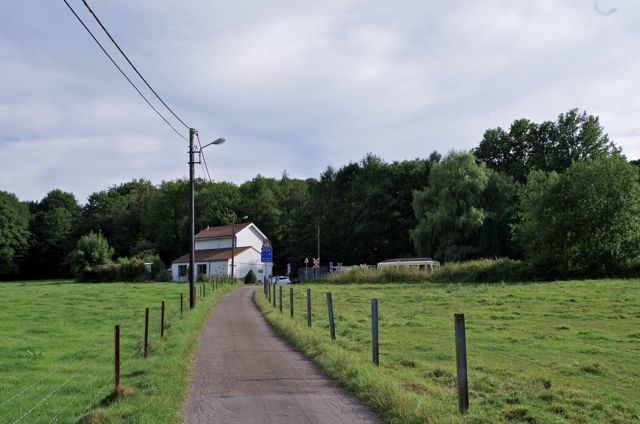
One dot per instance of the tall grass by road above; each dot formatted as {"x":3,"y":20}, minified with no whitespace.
{"x":561,"y":352}
{"x":56,"y":353}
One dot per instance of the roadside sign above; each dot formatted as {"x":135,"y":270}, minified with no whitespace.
{"x":316,"y":262}
{"x":266,"y":254}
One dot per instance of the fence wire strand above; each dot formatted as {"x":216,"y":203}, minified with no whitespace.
{"x":67,"y":362}
{"x":54,"y":391}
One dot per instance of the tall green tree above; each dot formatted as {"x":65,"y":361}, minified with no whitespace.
{"x":548,"y":146}
{"x":118,"y":214}
{"x":14,"y":232}
{"x":217,"y":203}
{"x":166,"y":221}
{"x":295,"y":221}
{"x":92,"y":249}
{"x":584,"y":222}
{"x":364,"y":209}
{"x":462,"y":211}
{"x":53,"y":225}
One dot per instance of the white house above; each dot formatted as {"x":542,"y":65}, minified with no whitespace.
{"x":214,"y":254}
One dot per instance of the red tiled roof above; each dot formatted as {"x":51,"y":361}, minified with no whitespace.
{"x":222,"y":231}
{"x":210,"y":255}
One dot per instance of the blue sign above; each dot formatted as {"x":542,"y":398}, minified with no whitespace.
{"x":266,"y":255}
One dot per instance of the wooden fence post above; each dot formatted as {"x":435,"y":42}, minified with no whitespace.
{"x":116,"y":357}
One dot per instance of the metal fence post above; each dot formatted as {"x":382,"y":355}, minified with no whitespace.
{"x":146,"y":331}
{"x":461,"y":364}
{"x":280,"y":294}
{"x":308,"y":307}
{"x":332,"y":327}
{"x":291,"y":301}
{"x":374,"y":331}
{"x":162,"y":320}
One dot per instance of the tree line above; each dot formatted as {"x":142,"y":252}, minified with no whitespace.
{"x":558,"y":194}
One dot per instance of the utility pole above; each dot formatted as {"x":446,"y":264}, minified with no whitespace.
{"x":192,"y":212}
{"x":192,"y":224}
{"x":233,"y":243}
{"x":233,"y":247}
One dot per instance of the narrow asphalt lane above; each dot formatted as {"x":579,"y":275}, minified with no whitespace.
{"x":244,"y":373}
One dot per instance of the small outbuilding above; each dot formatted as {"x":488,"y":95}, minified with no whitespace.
{"x":216,"y":254}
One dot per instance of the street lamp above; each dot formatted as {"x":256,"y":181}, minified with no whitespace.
{"x":192,"y":213}
{"x":233,"y":242}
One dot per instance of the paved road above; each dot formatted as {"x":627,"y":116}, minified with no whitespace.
{"x":245,"y":373}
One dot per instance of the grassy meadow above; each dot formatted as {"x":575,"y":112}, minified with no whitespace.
{"x":57,"y":349}
{"x":560,"y":352}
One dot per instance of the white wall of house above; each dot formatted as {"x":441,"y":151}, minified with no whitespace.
{"x":176,"y":275}
{"x":216,"y":268}
{"x":244,"y":261}
{"x":218,"y":243}
{"x":250,"y":260}
{"x":213,"y":268}
{"x":249,"y":236}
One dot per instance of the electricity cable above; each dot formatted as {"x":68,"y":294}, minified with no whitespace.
{"x":121,"y":71}
{"x":130,"y":63}
{"x":204,"y":160}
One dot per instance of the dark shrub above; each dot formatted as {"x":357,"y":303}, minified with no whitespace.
{"x":250,"y":278}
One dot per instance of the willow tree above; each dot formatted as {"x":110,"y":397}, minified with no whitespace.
{"x":464,"y":211}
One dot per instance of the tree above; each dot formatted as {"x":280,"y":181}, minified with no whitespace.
{"x":585,"y":222}
{"x":92,"y":249}
{"x":14,"y":233}
{"x":549,"y":146}
{"x":118,"y":214}
{"x":364,"y":209}
{"x":166,"y":221}
{"x":463,"y":211}
{"x":216,"y":204}
{"x":53,"y":224}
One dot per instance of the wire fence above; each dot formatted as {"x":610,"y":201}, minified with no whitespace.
{"x":86,"y":380}
{"x":561,"y":359}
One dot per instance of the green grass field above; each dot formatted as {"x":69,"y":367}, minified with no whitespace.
{"x":561,"y":352}
{"x":57,"y":349}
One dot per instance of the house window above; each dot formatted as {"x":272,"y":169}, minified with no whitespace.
{"x":182,"y":270}
{"x":202,"y":269}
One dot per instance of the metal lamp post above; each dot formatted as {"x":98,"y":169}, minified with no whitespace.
{"x":233,"y":244}
{"x":192,"y":213}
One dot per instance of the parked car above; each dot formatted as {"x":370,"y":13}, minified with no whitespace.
{"x":281,"y":279}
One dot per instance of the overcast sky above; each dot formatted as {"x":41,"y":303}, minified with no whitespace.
{"x":297,"y":85}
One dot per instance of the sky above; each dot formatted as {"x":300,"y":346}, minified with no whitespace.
{"x":296,"y":86}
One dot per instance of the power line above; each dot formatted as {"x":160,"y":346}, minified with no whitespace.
{"x":122,"y":72}
{"x":204,"y":161}
{"x":130,"y":63}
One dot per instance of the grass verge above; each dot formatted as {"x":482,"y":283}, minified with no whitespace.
{"x":562,"y":352}
{"x":56,"y":358}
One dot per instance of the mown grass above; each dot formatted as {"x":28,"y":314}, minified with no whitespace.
{"x":561,"y":352}
{"x":56,"y":354}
